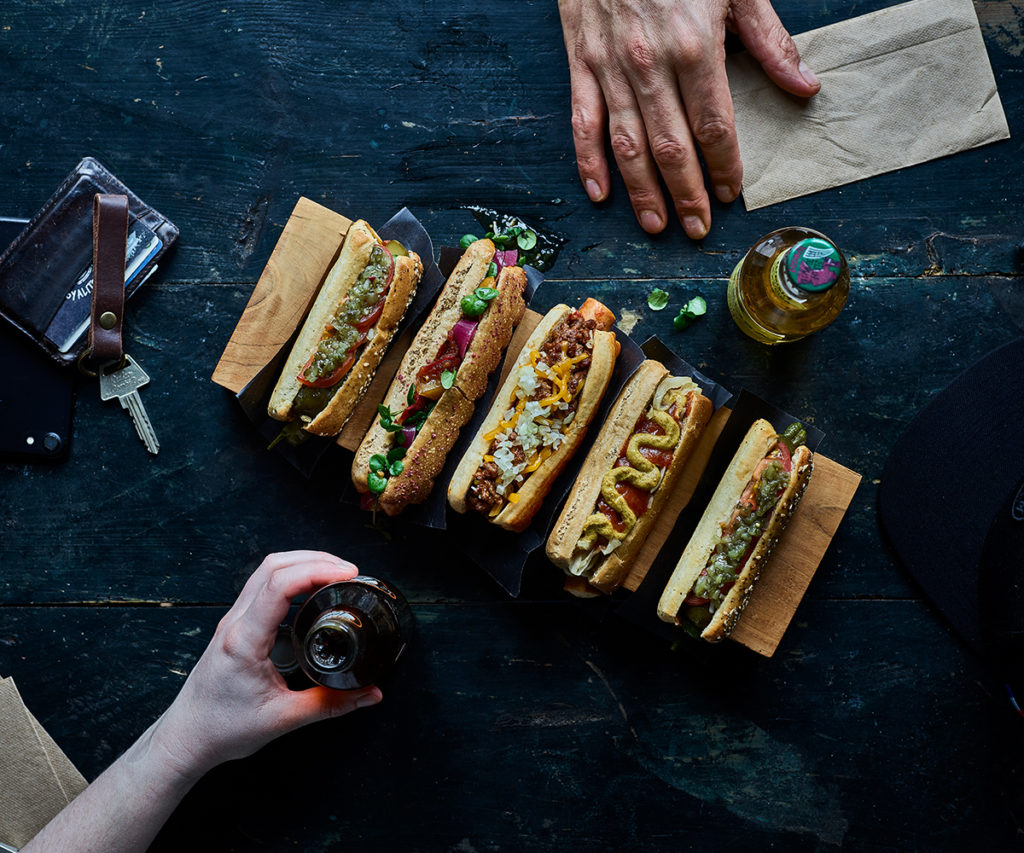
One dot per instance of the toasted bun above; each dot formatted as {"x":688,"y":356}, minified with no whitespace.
{"x":645,"y":390}
{"x":517,"y":516}
{"x":462,"y":479}
{"x":752,"y":449}
{"x":426,"y":457}
{"x":727,"y":615}
{"x":755,"y":445}
{"x":632,"y":402}
{"x":354,"y":256}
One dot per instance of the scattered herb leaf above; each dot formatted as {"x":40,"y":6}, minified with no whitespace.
{"x":657,"y":299}
{"x":695,"y":308}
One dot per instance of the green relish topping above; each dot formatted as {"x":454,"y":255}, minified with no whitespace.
{"x":732,"y":546}
{"x":341,"y":334}
{"x":730,"y":549}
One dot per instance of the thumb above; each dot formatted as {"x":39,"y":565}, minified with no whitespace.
{"x":767,"y":40}
{"x":321,"y":703}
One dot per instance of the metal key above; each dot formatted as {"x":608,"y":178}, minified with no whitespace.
{"x":123,"y":381}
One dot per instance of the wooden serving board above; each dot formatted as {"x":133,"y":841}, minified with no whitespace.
{"x":283,"y":295}
{"x":785,"y":578}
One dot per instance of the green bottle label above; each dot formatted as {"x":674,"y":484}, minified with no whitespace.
{"x":813,"y":265}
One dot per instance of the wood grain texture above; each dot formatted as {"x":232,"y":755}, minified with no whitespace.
{"x":287,"y":287}
{"x":538,"y":724}
{"x":789,"y":572}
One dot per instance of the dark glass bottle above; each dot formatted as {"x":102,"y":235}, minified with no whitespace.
{"x":350,"y":634}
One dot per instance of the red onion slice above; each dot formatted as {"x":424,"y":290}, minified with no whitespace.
{"x":463,"y":332}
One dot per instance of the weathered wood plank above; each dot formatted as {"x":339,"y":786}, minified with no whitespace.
{"x":476,"y":104}
{"x":214,"y":498}
{"x":549,"y":731}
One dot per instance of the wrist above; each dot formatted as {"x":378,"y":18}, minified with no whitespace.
{"x":180,"y":763}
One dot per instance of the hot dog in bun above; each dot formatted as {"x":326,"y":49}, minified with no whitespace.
{"x":347,"y":332}
{"x":442,"y":374}
{"x":735,"y":537}
{"x":539,"y":416}
{"x":628,"y":475}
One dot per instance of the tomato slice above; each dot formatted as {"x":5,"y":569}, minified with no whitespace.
{"x":787,"y":460}
{"x":367,"y":320}
{"x":447,"y":359}
{"x":391,"y":268}
{"x":334,"y":377}
{"x":419,"y":402}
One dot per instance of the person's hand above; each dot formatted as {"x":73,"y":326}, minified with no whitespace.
{"x":654,"y":71}
{"x":234,"y":701}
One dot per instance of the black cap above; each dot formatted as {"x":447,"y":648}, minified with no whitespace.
{"x":947,"y":496}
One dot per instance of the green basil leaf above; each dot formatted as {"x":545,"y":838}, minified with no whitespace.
{"x":466,"y":240}
{"x":485,"y":293}
{"x":492,"y":270}
{"x":378,"y":462}
{"x":472,"y":307}
{"x":411,"y":396}
{"x":396,"y":453}
{"x":396,"y":468}
{"x":377,"y":483}
{"x":697,"y":306}
{"x":657,"y":299}
{"x":526,"y":240}
{"x":447,"y":379}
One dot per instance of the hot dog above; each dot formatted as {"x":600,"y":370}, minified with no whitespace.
{"x":538,"y":417}
{"x":735,"y":537}
{"x":628,"y":475}
{"x":442,"y":374}
{"x":347,"y":332}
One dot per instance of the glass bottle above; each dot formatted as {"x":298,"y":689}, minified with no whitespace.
{"x":791,"y":283}
{"x":350,"y":634}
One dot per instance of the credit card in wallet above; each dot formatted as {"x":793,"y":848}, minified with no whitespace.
{"x":72,"y":318}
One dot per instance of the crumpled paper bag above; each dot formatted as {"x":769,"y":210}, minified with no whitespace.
{"x":899,"y":86}
{"x":38,"y":779}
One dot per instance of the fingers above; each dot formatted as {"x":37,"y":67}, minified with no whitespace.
{"x":705,"y":91}
{"x":588,"y":119}
{"x":320,"y":703}
{"x":767,"y":40}
{"x":631,"y":147}
{"x":264,"y":601}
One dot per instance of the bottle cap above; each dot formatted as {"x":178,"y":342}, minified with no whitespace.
{"x":813,"y":264}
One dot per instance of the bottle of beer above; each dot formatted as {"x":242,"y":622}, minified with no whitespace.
{"x":350,"y":634}
{"x":791,"y":283}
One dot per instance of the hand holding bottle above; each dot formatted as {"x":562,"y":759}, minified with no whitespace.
{"x":234,"y":701}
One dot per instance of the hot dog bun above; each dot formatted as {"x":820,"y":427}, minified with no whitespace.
{"x":650,"y":389}
{"x":758,"y":442}
{"x":354,"y":256}
{"x":426,"y":456}
{"x":517,"y":512}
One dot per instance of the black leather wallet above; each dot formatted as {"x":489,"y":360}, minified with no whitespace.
{"x":46,"y":272}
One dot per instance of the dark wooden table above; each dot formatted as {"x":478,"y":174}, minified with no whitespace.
{"x":524,"y":724}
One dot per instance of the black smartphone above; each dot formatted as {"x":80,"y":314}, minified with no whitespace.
{"x":36,"y":395}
